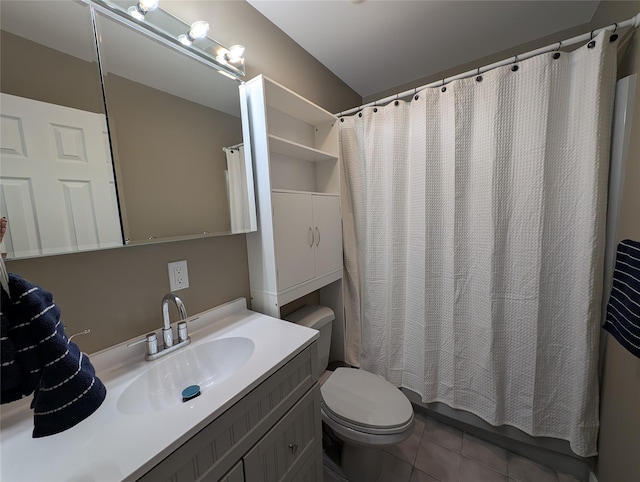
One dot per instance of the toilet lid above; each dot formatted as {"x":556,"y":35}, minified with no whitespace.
{"x":365,"y":399}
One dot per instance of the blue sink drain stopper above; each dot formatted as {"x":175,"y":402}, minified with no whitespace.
{"x":190,"y":392}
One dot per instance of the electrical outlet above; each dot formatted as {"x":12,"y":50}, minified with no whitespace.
{"x":178,"y":275}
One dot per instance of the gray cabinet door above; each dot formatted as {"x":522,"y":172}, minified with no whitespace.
{"x":236,"y":474}
{"x":286,"y":448}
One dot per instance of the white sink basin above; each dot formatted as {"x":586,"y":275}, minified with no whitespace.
{"x":207,"y":365}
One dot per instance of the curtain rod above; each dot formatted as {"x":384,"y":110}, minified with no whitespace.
{"x":232,"y":147}
{"x":632,"y":22}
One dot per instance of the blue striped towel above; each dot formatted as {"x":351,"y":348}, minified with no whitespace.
{"x":37,"y":357}
{"x":623,"y":310}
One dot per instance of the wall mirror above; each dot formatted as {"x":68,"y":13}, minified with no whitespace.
{"x":175,"y":135}
{"x":57,"y":184}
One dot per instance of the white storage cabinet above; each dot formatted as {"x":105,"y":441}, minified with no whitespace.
{"x":298,"y":246}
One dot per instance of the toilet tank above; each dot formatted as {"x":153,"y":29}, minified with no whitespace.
{"x":319,"y":318}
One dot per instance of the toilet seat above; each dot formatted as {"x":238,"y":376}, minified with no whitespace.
{"x":366,"y":403}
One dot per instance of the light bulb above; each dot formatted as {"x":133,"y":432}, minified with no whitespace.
{"x":148,"y":5}
{"x":184,"y":39}
{"x":199,"y":30}
{"x":139,"y":10}
{"x":135,"y":12}
{"x":235,"y":54}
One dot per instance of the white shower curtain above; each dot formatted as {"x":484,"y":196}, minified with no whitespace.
{"x":474,"y":241}
{"x":237,"y":190}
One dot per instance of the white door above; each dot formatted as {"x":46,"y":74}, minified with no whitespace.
{"x":294,"y":238}
{"x":328,"y":233}
{"x":56,"y":179}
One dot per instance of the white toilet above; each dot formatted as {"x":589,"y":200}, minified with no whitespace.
{"x":364,"y":410}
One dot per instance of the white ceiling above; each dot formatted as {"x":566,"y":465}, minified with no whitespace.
{"x":377,"y":45}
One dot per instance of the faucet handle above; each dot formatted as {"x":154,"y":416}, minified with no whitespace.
{"x":182,"y":331}
{"x":152,"y":344}
{"x":167,"y":337}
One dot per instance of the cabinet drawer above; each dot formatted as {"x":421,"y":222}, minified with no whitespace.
{"x":213,"y":451}
{"x":281,"y":454}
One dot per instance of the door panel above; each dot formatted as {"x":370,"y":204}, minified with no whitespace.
{"x":328,"y":233}
{"x":55,"y":162}
{"x":294,"y":241}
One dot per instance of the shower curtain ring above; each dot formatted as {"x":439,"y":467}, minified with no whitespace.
{"x":592,"y":35}
{"x":614,"y":35}
{"x":559,"y":45}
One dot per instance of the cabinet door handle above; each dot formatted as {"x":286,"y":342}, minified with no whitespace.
{"x":293,"y":448}
{"x":310,"y":237}
{"x":318,"y":236}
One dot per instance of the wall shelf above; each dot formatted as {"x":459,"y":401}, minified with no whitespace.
{"x":295,"y":150}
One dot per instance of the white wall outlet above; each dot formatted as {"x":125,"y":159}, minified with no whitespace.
{"x":178,"y":275}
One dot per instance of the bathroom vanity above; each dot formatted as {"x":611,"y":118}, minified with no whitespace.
{"x":257,"y":418}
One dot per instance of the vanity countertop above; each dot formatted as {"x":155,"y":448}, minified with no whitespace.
{"x":112,"y":446}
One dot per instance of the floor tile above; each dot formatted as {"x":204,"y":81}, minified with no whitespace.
{"x":420,"y":420}
{"x":485,"y":452}
{"x":472,"y":471}
{"x":419,"y":476}
{"x":330,"y":476}
{"x":443,"y":434}
{"x":394,"y":469}
{"x":406,"y":450}
{"x":436,"y":452}
{"x":525,"y":470}
{"x":438,"y":461}
{"x":567,"y":478}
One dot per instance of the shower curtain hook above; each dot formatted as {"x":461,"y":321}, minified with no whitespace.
{"x":591,"y":35}
{"x":515,"y":59}
{"x":559,"y":45}
{"x":615,"y":27}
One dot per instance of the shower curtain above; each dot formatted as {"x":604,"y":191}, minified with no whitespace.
{"x":474,"y":240}
{"x":237,"y":190}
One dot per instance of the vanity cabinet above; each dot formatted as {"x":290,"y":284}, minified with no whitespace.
{"x":298,"y":246}
{"x":273,"y":434}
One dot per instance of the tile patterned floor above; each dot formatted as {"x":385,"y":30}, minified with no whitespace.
{"x":436,"y":452}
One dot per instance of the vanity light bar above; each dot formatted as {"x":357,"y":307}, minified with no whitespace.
{"x":233,"y":70}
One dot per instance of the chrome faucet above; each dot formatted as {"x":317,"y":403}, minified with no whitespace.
{"x":151,"y":339}
{"x":167,"y":332}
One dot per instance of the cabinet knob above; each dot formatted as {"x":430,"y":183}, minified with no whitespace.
{"x":293,"y":448}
